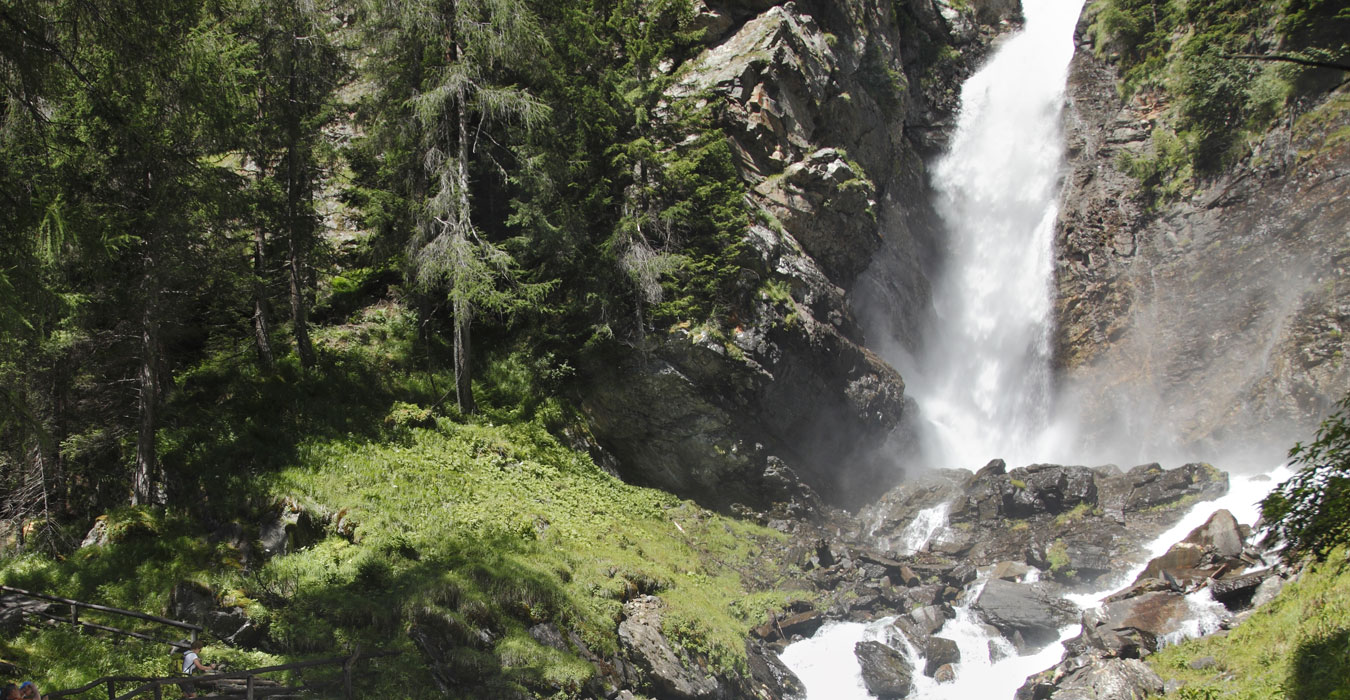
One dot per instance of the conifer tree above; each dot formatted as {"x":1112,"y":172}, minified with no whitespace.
{"x":462,"y":96}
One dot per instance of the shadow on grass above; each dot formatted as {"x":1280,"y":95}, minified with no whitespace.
{"x":450,"y":611}
{"x":231,"y":424}
{"x":1321,"y":668}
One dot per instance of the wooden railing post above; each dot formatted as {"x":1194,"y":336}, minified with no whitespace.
{"x":248,"y":688}
{"x":112,"y":690}
{"x":74,"y":614}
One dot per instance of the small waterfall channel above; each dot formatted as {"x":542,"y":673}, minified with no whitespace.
{"x":983,"y":381}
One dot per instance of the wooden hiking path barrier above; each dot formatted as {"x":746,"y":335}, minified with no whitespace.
{"x":253,"y":687}
{"x":74,"y":617}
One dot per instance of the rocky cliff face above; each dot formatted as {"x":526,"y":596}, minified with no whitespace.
{"x":829,"y":108}
{"x":1223,"y":314}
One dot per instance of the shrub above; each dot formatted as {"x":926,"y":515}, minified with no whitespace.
{"x":1311,"y":511}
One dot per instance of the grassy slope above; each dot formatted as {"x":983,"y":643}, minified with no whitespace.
{"x":478,"y":527}
{"x":1296,"y":647}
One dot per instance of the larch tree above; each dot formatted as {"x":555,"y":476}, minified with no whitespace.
{"x":462,"y":96}
{"x":296,"y":70}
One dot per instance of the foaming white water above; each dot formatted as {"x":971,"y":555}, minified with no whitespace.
{"x":983,"y":381}
{"x":828,"y":669}
{"x":825,"y":663}
{"x":1242,"y":500}
{"x":922,"y":528}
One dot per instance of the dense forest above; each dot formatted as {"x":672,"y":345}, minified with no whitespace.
{"x":212,"y":189}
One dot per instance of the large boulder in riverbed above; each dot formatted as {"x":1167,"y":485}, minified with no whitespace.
{"x":885,"y":671}
{"x":1035,"y":611}
{"x":1090,"y":678}
{"x":939,"y":652}
{"x":1158,"y":614}
{"x":1151,"y":486}
{"x":1213,"y":549}
{"x":1221,"y":532}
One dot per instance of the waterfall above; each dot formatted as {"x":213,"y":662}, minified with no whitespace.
{"x":983,"y":375}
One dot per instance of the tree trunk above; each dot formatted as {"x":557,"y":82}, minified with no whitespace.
{"x":147,"y":458}
{"x":297,"y":227}
{"x":463,"y":383}
{"x":261,"y":339}
{"x":461,"y":307}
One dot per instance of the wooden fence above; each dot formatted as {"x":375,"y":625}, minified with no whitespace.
{"x":73,"y":618}
{"x":253,"y":688}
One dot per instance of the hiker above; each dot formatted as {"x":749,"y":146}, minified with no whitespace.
{"x":28,"y":691}
{"x":11,"y":692}
{"x":192,"y":662}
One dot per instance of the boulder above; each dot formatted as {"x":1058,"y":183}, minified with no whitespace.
{"x":190,"y":601}
{"x":667,"y":670}
{"x":1221,"y":533}
{"x":287,"y":527}
{"x":929,"y":619}
{"x":1237,"y":593}
{"x":886,"y":672}
{"x":771,"y":673}
{"x":98,"y":533}
{"x":939,"y":652}
{"x":1013,"y":571}
{"x":1157,"y":614}
{"x":1110,"y":679}
{"x":1152,"y":486}
{"x":945,"y":674}
{"x":1033,"y":611}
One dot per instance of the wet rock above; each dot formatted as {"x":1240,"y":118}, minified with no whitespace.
{"x":945,"y":674}
{"x":1010,"y":571}
{"x":1033,"y":611}
{"x":1237,"y":593}
{"x":1110,"y":679}
{"x":939,"y":652}
{"x":1152,"y":486}
{"x":885,"y":671}
{"x":928,"y":619}
{"x":1156,"y":614}
{"x":1220,"y":533}
{"x":803,"y":624}
{"x":771,"y":673}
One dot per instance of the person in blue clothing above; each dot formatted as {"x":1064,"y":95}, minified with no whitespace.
{"x":192,"y":663}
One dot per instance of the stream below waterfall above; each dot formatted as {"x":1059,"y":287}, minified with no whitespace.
{"x":983,"y":379}
{"x":828,"y":669}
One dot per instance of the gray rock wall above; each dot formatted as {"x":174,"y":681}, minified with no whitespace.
{"x":1211,"y":327}
{"x":829,"y":108}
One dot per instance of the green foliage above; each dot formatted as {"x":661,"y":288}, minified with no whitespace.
{"x":1188,"y":57}
{"x":1075,"y":514}
{"x":1294,"y":647}
{"x":1310,"y":512}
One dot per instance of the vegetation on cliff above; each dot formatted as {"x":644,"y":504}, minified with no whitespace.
{"x":1218,"y":75}
{"x":1310,"y":513}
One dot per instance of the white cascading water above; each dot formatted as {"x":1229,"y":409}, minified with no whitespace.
{"x":983,"y":381}
{"x":828,"y":668}
{"x":983,"y":377}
